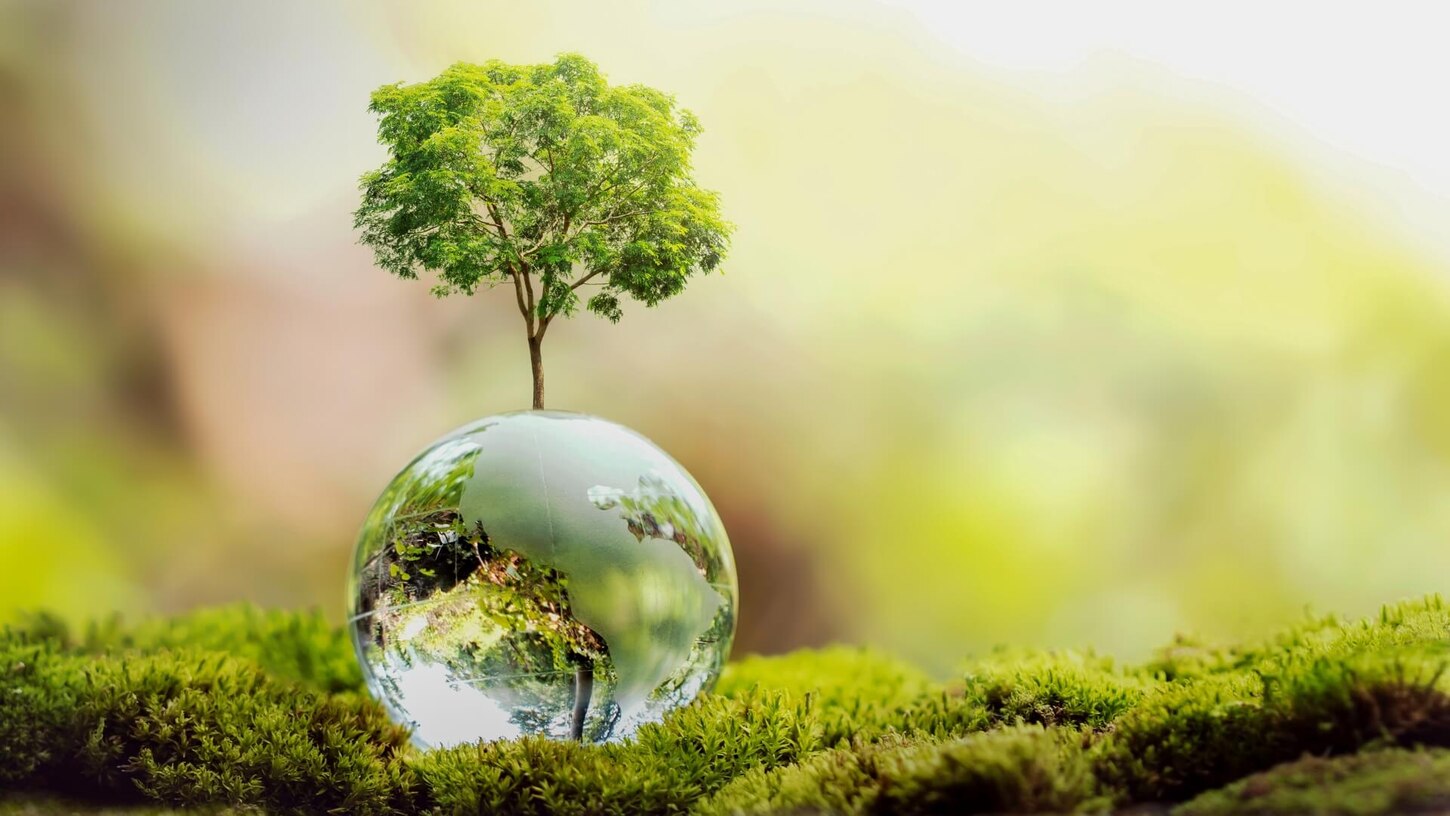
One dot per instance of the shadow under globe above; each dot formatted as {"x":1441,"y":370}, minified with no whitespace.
{"x":540,"y":572}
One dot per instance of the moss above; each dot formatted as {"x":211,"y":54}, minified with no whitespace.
{"x":1071,"y":689}
{"x":853,"y":690}
{"x":35,"y":804}
{"x":1374,"y":782}
{"x":1324,"y":689}
{"x":664,"y":769}
{"x":298,"y":646}
{"x":705,"y":745}
{"x":539,"y":776}
{"x":844,"y":779}
{"x":249,"y":709}
{"x":191,"y":728}
{"x":35,"y":712}
{"x":1185,"y":739}
{"x":1188,"y":657}
{"x":1014,"y":770}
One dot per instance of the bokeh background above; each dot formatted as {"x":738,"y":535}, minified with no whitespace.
{"x":1042,"y":326}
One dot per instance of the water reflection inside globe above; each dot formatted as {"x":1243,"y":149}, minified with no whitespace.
{"x":540,"y":573}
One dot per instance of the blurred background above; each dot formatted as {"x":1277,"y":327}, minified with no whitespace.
{"x":1041,"y":326}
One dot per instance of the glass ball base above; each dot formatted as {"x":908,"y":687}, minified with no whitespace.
{"x":545,"y":573}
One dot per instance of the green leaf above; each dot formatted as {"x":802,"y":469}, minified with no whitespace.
{"x":542,"y":171}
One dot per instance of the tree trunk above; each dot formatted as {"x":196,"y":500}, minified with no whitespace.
{"x":583,"y":690}
{"x":536,"y":359}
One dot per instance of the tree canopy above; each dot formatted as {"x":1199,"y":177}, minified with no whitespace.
{"x":543,"y":176}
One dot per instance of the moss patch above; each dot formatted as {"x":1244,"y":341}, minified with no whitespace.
{"x":1373,"y":782}
{"x":240,"y":708}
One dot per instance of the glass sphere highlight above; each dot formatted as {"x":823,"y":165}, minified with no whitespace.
{"x":540,"y":572}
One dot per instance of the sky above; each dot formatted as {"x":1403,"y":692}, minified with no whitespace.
{"x":1358,"y":86}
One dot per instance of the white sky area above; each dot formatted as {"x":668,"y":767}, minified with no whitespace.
{"x":1365,"y":81}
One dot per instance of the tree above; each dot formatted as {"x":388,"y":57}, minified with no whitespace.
{"x":545,"y":177}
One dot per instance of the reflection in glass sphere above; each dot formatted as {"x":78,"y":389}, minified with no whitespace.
{"x":540,"y":573}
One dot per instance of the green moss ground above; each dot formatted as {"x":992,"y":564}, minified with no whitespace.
{"x":240,"y":710}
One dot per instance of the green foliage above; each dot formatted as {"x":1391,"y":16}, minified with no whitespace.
{"x":302,"y":647}
{"x":36,"y":804}
{"x":298,"y":646}
{"x":35,"y":712}
{"x":709,"y":743}
{"x":191,"y":731}
{"x":192,"y":728}
{"x":1014,"y":770}
{"x":1187,"y":658}
{"x":535,"y":775}
{"x":159,"y":714}
{"x":664,"y":769}
{"x":543,"y":176}
{"x":1374,"y":782}
{"x":844,"y":779}
{"x":854,"y":690}
{"x":1052,"y":689}
{"x":1320,"y":688}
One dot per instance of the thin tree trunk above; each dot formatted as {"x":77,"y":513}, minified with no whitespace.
{"x":583,"y":690}
{"x":584,"y":675}
{"x":536,"y":359}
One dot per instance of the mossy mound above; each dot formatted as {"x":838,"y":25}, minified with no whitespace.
{"x":1363,"y":784}
{"x":239,"y":710}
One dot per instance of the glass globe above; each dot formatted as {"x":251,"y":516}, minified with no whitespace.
{"x":544,"y":573}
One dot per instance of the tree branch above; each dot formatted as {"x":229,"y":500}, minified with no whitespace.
{"x":484,"y":224}
{"x":519,"y":295}
{"x":578,"y":283}
{"x":615,"y":217}
{"x":529,"y":288}
{"x":545,"y":234}
{"x":497,"y":220}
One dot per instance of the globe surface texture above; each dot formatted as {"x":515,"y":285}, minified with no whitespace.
{"x":543,"y":573}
